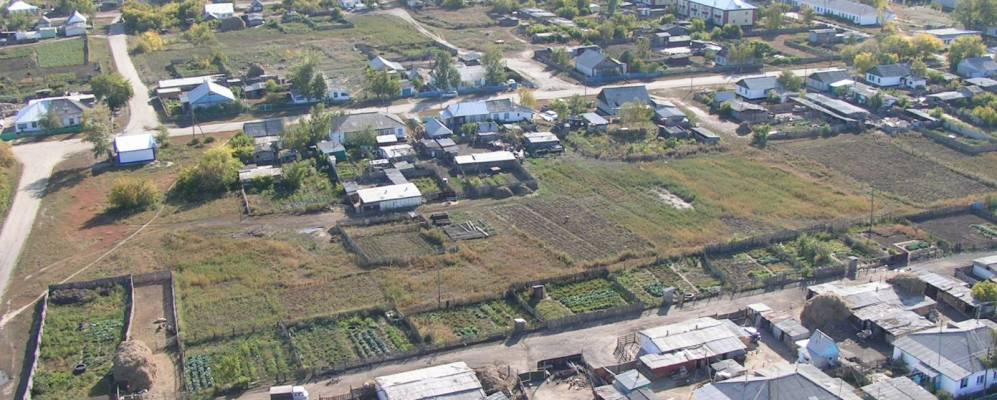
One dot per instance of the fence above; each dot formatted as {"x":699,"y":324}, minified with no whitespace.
{"x":957,"y":145}
{"x":34,"y":350}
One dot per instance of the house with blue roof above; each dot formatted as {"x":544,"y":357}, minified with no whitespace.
{"x":208,"y":94}
{"x":68,"y":111}
{"x":502,"y":111}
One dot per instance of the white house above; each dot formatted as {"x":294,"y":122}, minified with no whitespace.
{"x":383,"y":64}
{"x":887,"y":75}
{"x":802,"y":382}
{"x":208,"y":94}
{"x":819,"y":350}
{"x":950,"y":359}
{"x":379,"y":123}
{"x":21,"y":7}
{"x":949,"y":35}
{"x":855,"y":12}
{"x":131,"y":149}
{"x":448,"y":381}
{"x":219,"y":11}
{"x":67,"y":110}
{"x":76,"y":25}
{"x":387,"y":198}
{"x":985,"y":267}
{"x":977,"y":67}
{"x":757,"y":87}
{"x":501,"y":111}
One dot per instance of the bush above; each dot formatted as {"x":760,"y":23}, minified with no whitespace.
{"x":130,"y":194}
{"x":209,"y":139}
{"x":6,"y":155}
{"x":72,"y":296}
{"x":214,"y":174}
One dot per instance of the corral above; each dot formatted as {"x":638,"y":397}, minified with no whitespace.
{"x":392,"y":243}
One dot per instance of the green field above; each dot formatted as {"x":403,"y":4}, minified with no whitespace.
{"x":51,"y":64}
{"x":60,"y":54}
{"x":65,"y":344}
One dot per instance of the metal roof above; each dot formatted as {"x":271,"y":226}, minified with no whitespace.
{"x":476,"y":158}
{"x":209,"y":88}
{"x":891,"y":70}
{"x":820,"y":343}
{"x":845,"y":6}
{"x":435,"y":128}
{"x":453,"y":381}
{"x":805,"y":383}
{"x":726,"y":5}
{"x":268,"y":127}
{"x":899,"y":388}
{"x":134,"y":142}
{"x":709,"y":333}
{"x":594,"y":119}
{"x":540,"y":137}
{"x":380,"y":63}
{"x":953,"y":352}
{"x":389,"y":192}
{"x":632,"y":379}
{"x":20,"y":5}
{"x":759,"y":82}
{"x":792,"y":327}
{"x":620,"y":95}
{"x":259,"y":172}
{"x":191,"y":81}
{"x":988,"y":260}
{"x":360,"y":121}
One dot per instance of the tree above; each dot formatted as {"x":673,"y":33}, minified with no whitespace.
{"x":200,"y":34}
{"x":97,"y":127}
{"x":808,"y":15}
{"x":317,"y":89}
{"x":697,"y":25}
{"x":307,"y":81}
{"x":306,"y":133}
{"x":363,"y":140}
{"x":635,"y":115}
{"x":790,"y":81}
{"x":965,"y":47}
{"x":976,"y":14}
{"x":445,"y":75}
{"x":140,"y":17}
{"x":760,"y":135}
{"x":214,"y":173}
{"x":611,"y":6}
{"x":577,"y":105}
{"x":66,"y":7}
{"x":560,"y":57}
{"x":526,"y":98}
{"x":876,"y":101}
{"x":162,"y":137}
{"x":468,"y":129}
{"x":560,"y":107}
{"x":919,"y":68}
{"x":131,"y":194}
{"x":494,"y":66}
{"x":731,"y":31}
{"x":863,"y":62}
{"x":453,"y":4}
{"x":382,"y":85}
{"x":925,"y":45}
{"x":899,"y":46}
{"x":775,"y":15}
{"x":985,"y":291}
{"x":51,"y":121}
{"x":113,"y":88}
{"x":503,"y":6}
{"x":149,"y":42}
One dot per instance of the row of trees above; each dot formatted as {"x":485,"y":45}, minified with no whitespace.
{"x":140,"y":16}
{"x":896,"y":47}
{"x":445,"y":76}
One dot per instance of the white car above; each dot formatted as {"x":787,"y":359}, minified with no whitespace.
{"x":549,"y":116}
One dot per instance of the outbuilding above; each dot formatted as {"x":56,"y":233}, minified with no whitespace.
{"x":130,"y":149}
{"x":449,"y":381}
{"x":387,"y":198}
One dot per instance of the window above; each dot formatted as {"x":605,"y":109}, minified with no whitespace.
{"x":34,"y":124}
{"x":979,"y":379}
{"x":963,"y":383}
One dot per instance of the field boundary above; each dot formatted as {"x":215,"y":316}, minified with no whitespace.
{"x":34,"y":344}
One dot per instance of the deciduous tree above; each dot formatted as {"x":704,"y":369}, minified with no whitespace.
{"x":97,"y":130}
{"x":965,"y":47}
{"x":113,"y":88}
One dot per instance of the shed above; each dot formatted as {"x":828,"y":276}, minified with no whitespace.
{"x":898,"y":388}
{"x":387,"y":198}
{"x":268,"y":127}
{"x":332,"y":148}
{"x":542,"y":143}
{"x":726,"y":369}
{"x":789,"y":331}
{"x":263,"y":171}
{"x":453,"y":381}
{"x":704,"y":135}
{"x":135,"y":148}
{"x":629,"y":381}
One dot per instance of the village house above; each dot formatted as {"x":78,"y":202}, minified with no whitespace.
{"x":435,"y":129}
{"x":690,"y":345}
{"x":267,"y":127}
{"x":949,"y":35}
{"x":956,"y":293}
{"x":822,"y":81}
{"x":595,"y":64}
{"x":889,"y":75}
{"x":611,"y":99}
{"x":207,"y":94}
{"x":818,"y":350}
{"x":985,"y":267}
{"x":803,"y":382}
{"x":743,"y":111}
{"x":484,"y":162}
{"x":449,"y":381}
{"x":67,"y":111}
{"x":387,"y":198}
{"x":592,"y":122}
{"x":218,"y":11}
{"x":852,"y":11}
{"x":884,"y":311}
{"x":716,"y":12}
{"x":502,"y":111}
{"x":977,"y":67}
{"x":379,"y":123}
{"x":950,"y":359}
{"x":756,"y":88}
{"x":537,"y":143}
{"x":132,"y":149}
{"x":986,"y":84}
{"x":76,"y":25}
{"x":332,"y":151}
{"x":897,"y":388}
{"x":22,"y":7}
{"x":861,"y":93}
{"x":379,"y":63}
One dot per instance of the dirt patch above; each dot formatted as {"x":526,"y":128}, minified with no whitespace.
{"x":671,"y":199}
{"x":958,"y":230}
{"x":874,"y":160}
{"x":151,"y":306}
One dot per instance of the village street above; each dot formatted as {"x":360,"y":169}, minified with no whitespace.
{"x":597,"y":342}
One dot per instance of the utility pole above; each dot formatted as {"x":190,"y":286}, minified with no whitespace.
{"x":872,"y":208}
{"x":439,"y":288}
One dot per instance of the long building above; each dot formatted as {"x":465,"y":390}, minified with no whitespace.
{"x":852,"y":11}
{"x":716,"y":12}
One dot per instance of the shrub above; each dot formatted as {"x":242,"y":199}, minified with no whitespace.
{"x":209,"y":139}
{"x":130,"y":194}
{"x":72,"y":296}
{"x":215,"y":173}
{"x":6,"y":155}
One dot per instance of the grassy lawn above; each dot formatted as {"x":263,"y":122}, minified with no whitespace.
{"x":334,"y":49}
{"x":53,"y":64}
{"x":9,"y":178}
{"x":65,"y":344}
{"x":469,"y":28}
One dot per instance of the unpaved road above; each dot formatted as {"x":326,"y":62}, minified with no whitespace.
{"x":39,"y":159}
{"x":595,"y":342}
{"x":150,"y":305}
{"x":142,"y":117}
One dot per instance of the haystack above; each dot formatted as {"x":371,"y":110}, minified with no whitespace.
{"x":907,"y":283}
{"x":824,"y":310}
{"x":133,"y":366}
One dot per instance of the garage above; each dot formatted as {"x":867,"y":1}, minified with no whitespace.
{"x":135,"y":148}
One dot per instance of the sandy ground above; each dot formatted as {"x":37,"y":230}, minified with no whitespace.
{"x":150,"y":305}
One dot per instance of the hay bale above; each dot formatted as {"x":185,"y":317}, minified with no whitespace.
{"x":907,"y":283}
{"x":232,"y":24}
{"x":133,"y":366}
{"x":824,"y":310}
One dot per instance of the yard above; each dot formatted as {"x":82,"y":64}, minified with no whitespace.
{"x":238,"y":361}
{"x":337,"y":51}
{"x":52,"y":64}
{"x":633,"y":147}
{"x":469,"y":28}
{"x":873,"y":160}
{"x":649,"y":283}
{"x":964,"y":230}
{"x":468,"y":321}
{"x":576,"y":298}
{"x":393,"y":243}
{"x":82,"y":327}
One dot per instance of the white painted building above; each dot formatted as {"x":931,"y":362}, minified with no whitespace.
{"x":454,"y":381}
{"x":387,"y":198}
{"x":852,"y":11}
{"x":949,"y":359}
{"x":985,"y":267}
{"x":130,"y":149}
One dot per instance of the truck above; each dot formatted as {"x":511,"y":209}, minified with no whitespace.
{"x":288,"y":392}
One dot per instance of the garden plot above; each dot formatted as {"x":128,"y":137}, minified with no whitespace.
{"x":468,"y":321}
{"x":237,"y":361}
{"x":327,"y":342}
{"x":693,"y":271}
{"x":567,"y":226}
{"x":394,"y":242}
{"x":965,"y":230}
{"x":888,"y":235}
{"x":741,"y":271}
{"x":874,"y":160}
{"x":649,"y":283}
{"x":54,"y":64}
{"x":577,"y":298}
{"x":816,"y":251}
{"x":82,"y":327}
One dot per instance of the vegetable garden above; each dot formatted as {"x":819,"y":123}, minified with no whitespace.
{"x":649,"y":283}
{"x":468,"y":321}
{"x":237,"y":361}
{"x":577,"y":298}
{"x":81,"y":335}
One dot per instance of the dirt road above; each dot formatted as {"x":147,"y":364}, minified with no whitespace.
{"x":150,"y":306}
{"x":595,"y":342}
{"x":39,"y":159}
{"x":143,"y":117}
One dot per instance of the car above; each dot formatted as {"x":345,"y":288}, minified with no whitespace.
{"x":449,"y":95}
{"x":549,"y":116}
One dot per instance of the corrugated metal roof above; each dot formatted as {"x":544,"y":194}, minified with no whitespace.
{"x":953,"y":352}
{"x":477,"y":158}
{"x":134,"y":142}
{"x":805,"y":383}
{"x":390,"y":192}
{"x":453,"y":381}
{"x":900,"y":388}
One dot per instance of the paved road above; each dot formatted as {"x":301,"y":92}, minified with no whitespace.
{"x":596,"y":342}
{"x":142,"y":116}
{"x":39,"y":159}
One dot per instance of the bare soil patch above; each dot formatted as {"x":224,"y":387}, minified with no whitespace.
{"x":958,"y":229}
{"x":151,"y":305}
